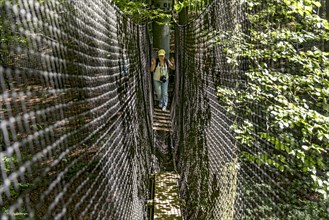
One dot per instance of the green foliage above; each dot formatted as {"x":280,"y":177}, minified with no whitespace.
{"x":180,"y":5}
{"x":287,"y":81}
{"x":18,"y":215}
{"x":15,"y":191}
{"x":9,"y":162}
{"x":192,"y":8}
{"x":192,"y":4}
{"x":140,"y":11}
{"x":8,"y":35}
{"x":309,"y":210}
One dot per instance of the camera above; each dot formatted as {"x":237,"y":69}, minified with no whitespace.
{"x":163,"y":79}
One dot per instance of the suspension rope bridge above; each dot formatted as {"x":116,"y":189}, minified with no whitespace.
{"x":81,"y":139}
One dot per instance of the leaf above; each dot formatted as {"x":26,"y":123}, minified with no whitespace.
{"x":326,"y":107}
{"x":178,"y":6}
{"x":323,"y":193}
{"x":317,"y":4}
{"x":281,"y":168}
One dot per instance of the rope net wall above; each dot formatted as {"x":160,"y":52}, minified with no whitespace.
{"x":75,"y":133}
{"x":206,"y":150}
{"x":237,"y":158}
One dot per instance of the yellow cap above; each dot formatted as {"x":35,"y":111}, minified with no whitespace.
{"x":161,"y":52}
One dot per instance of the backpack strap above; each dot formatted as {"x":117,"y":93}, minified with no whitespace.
{"x":157,"y":62}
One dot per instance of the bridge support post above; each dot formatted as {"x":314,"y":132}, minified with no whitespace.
{"x":161,"y":27}
{"x":182,"y":15}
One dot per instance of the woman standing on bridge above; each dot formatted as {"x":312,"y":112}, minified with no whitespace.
{"x":161,"y":77}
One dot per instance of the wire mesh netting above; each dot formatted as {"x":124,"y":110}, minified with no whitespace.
{"x":76,"y":117}
{"x":237,"y":156}
{"x":206,"y":150}
{"x":75,"y":129}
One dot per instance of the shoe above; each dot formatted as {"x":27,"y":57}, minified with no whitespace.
{"x":164,"y":108}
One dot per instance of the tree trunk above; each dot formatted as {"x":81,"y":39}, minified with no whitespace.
{"x":182,"y":15}
{"x":161,"y":32}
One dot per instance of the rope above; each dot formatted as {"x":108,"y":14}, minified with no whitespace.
{"x":75,"y":133}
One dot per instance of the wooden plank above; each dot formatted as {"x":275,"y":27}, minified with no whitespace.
{"x":166,"y":197}
{"x":163,"y":114}
{"x":162,"y":129}
{"x":160,"y":111}
{"x":161,"y":117}
{"x":161,"y":125}
{"x":162,"y":122}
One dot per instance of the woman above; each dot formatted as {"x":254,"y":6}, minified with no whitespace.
{"x":161,"y":77}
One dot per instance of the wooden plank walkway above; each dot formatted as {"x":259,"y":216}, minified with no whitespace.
{"x":161,"y":120}
{"x":166,"y":199}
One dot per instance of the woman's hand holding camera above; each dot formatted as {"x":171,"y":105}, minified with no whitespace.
{"x":163,"y":79}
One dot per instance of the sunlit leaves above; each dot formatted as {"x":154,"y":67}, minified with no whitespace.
{"x":288,"y":80}
{"x":140,"y":11}
{"x":179,"y":5}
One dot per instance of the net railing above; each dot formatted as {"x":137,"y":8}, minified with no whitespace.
{"x":76,"y":118}
{"x":76,"y":132}
{"x":206,"y":151}
{"x":238,"y":154}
